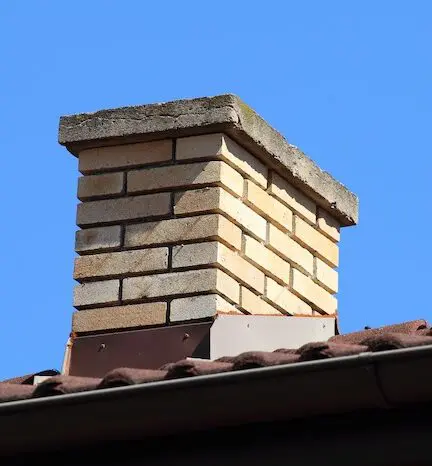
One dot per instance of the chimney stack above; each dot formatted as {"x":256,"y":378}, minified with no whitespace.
{"x":197,"y":207}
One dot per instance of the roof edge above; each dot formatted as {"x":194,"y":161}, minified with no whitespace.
{"x":366,"y":381}
{"x":223,"y":113}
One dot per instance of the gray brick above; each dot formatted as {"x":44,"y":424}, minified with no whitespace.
{"x":106,"y":292}
{"x":100,"y":185}
{"x":177,"y":283}
{"x":199,"y":307}
{"x":178,"y":176}
{"x":127,"y":155}
{"x":124,"y":208}
{"x":98,"y":239}
{"x":120,"y":263}
{"x":119,"y":317}
{"x":178,"y":230}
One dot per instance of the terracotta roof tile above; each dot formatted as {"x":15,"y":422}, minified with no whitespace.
{"x":29,"y":378}
{"x":326,"y":350}
{"x":125,"y":376}
{"x":357,"y":337}
{"x":62,"y":384}
{"x":254,"y":359}
{"x":13,"y":392}
{"x":392,"y":341}
{"x":190,"y":368}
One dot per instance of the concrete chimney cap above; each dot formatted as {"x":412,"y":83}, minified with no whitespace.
{"x":225,"y":114}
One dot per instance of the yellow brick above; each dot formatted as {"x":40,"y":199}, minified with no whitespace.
{"x":180,"y":176}
{"x":216,"y":254}
{"x":120,"y":263}
{"x":313,"y":293}
{"x":326,"y":276}
{"x":119,"y":317}
{"x":123,"y":208}
{"x":221,"y":146}
{"x":127,"y":155}
{"x":287,"y":193}
{"x":218,"y":200}
{"x":266,"y":259}
{"x":283,"y":245}
{"x":177,"y":230}
{"x":312,"y":239}
{"x":179,"y":283}
{"x":252,"y":303}
{"x":100,"y":185}
{"x":286,"y":300}
{"x":328,"y":225}
{"x":267,"y":206}
{"x":200,"y":307}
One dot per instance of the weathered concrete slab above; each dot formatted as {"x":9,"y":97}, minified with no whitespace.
{"x":224,"y":113}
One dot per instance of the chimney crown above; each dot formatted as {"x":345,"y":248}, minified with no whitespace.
{"x":226,"y":114}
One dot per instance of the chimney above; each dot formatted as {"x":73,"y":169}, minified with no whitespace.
{"x":198,"y":207}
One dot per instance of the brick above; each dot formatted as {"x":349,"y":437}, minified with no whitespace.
{"x":326,"y":276}
{"x":106,"y":292}
{"x":283,"y":245}
{"x":217,"y":199}
{"x":253,"y":304}
{"x":328,"y":225}
{"x":127,"y":155}
{"x":199,"y":307}
{"x":180,"y":176}
{"x":294,"y":198}
{"x":267,"y":260}
{"x":183,"y":229}
{"x":286,"y":300}
{"x":221,"y":146}
{"x":177,"y":283}
{"x":269,"y":207}
{"x":316,"y":295}
{"x":121,"y":263}
{"x":119,"y":317}
{"x":108,"y":184}
{"x":124,"y":208}
{"x":319,"y":244}
{"x":98,"y":239}
{"x":216,"y":254}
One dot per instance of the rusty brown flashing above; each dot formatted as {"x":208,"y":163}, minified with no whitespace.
{"x":96,"y":355}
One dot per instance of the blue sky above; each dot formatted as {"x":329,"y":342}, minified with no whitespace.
{"x":348,"y":82}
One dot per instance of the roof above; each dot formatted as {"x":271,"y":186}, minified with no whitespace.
{"x":223,"y":113}
{"x":380,"y":368}
{"x":406,"y":335}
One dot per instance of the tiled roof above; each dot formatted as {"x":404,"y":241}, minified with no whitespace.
{"x":406,"y":335}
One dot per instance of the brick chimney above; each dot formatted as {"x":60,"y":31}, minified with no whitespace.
{"x":197,"y":207}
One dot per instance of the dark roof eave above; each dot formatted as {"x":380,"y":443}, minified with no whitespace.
{"x":369,"y":380}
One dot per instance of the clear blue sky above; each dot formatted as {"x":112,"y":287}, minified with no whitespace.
{"x":349,"y":82}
